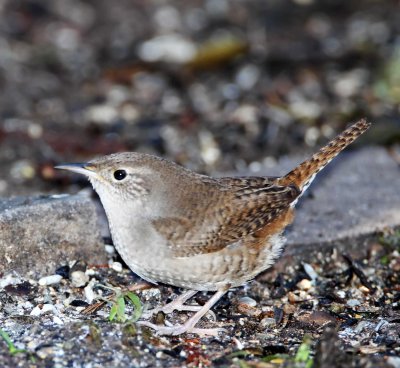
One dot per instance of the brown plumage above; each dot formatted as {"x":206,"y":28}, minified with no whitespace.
{"x":303,"y":174}
{"x":172,"y":225}
{"x":249,"y":205}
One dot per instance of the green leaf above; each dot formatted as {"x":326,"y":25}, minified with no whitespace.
{"x":134,"y":299}
{"x":121,"y":309}
{"x":113,"y":312}
{"x":138,"y":309}
{"x":11,"y":347}
{"x":303,"y":354}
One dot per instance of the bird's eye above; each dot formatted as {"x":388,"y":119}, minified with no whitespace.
{"x":120,"y":174}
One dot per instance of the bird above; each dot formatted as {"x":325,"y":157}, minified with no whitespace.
{"x":174,"y":226}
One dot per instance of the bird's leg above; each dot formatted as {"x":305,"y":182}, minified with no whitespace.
{"x":176,"y":304}
{"x":188,"y":326}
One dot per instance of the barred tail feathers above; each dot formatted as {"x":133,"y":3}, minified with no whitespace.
{"x":304,"y":174}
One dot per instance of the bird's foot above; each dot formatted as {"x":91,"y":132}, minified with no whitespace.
{"x":167,"y":309}
{"x":187,"y":327}
{"x":177,"y":304}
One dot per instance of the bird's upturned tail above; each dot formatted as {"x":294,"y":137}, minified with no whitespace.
{"x":304,"y":174}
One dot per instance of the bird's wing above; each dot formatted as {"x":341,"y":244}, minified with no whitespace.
{"x":243,"y":207}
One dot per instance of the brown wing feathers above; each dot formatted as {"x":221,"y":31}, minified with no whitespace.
{"x":243,"y":209}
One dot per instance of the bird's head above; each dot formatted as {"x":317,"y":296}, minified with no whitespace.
{"x":124,"y":176}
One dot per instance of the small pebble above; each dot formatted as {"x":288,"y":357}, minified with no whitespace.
{"x":116,"y":266}
{"x":249,"y":301}
{"x":238,"y":343}
{"x":293,"y":298}
{"x":353,"y":303}
{"x":159,"y":354}
{"x":249,"y":310}
{"x":102,"y":114}
{"x":44,"y":352}
{"x":268,"y":322}
{"x":361,"y":325}
{"x":289,"y":309}
{"x":78,"y":303}
{"x":364,"y":289}
{"x":89,"y":293}
{"x":341,"y":294}
{"x":109,"y":249}
{"x":57,"y":320}
{"x":319,"y":318}
{"x":304,"y":284}
{"x":310,"y":271}
{"x":41,"y":309}
{"x":50,"y":280}
{"x":381,"y":324}
{"x":79,"y":278}
{"x":9,"y":280}
{"x":27,"y":305}
{"x":90,"y":272}
{"x":172,"y":48}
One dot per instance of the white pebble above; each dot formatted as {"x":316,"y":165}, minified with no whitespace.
{"x":90,"y":272}
{"x":57,"y":320}
{"x":310,"y":272}
{"x":109,"y":249}
{"x":171,"y":48}
{"x":79,"y":278}
{"x":50,"y":280}
{"x":37,"y":311}
{"x":89,"y":293}
{"x":102,"y":114}
{"x":353,"y":303}
{"x":27,"y":305}
{"x":238,"y":343}
{"x":304,"y":284}
{"x":9,"y":280}
{"x":248,"y":301}
{"x":341,"y":294}
{"x":116,"y":266}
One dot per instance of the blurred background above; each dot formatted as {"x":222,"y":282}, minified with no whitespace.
{"x":214,"y":85}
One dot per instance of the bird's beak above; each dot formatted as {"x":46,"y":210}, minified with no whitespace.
{"x":86,"y":169}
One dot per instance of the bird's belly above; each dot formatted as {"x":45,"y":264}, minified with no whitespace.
{"x":229,"y":267}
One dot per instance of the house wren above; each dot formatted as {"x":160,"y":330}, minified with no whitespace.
{"x":174,"y":226}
